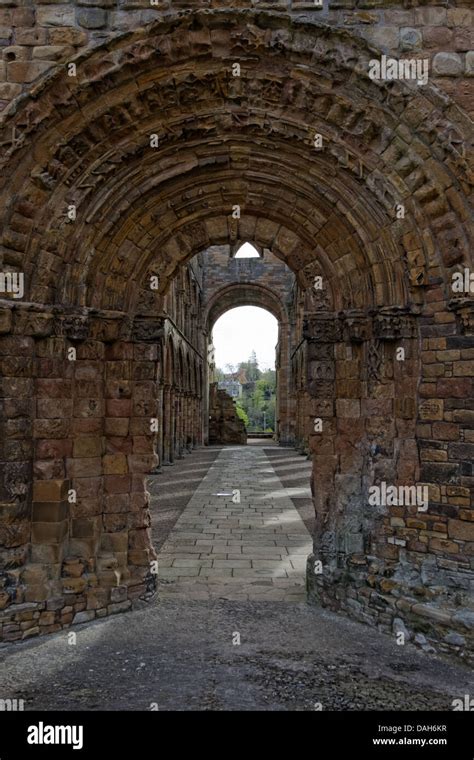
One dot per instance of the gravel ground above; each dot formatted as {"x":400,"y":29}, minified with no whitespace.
{"x":182,"y":656}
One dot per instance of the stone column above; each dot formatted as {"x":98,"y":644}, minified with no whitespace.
{"x":160,"y":442}
{"x":172,"y":425}
{"x":284,"y":407}
{"x":365,"y":398}
{"x":167,"y":421}
{"x":17,"y":411}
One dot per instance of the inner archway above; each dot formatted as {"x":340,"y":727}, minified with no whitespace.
{"x":246,"y":342}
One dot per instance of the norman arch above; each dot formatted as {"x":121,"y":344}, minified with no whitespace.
{"x":145,"y":211}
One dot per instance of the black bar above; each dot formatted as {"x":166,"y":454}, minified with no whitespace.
{"x":323,"y":734}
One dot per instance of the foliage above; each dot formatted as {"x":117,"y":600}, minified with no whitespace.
{"x":242,"y":414}
{"x":258,"y":398}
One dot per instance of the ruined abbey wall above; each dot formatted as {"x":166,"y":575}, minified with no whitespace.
{"x":120,"y":169}
{"x":35,"y":36}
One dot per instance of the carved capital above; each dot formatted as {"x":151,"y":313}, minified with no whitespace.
{"x":326,"y":328}
{"x":464,"y":310}
{"x":148,"y":328}
{"x":357,"y":327}
{"x":106,"y":328}
{"x":393,"y":325}
{"x":33,"y":321}
{"x":73,"y":326}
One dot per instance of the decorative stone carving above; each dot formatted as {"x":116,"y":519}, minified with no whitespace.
{"x":326,"y":328}
{"x":464,"y":310}
{"x":148,"y":328}
{"x":357,"y":328}
{"x":394,"y":325}
{"x":317,"y":351}
{"x":374,"y":361}
{"x":320,"y":370}
{"x":321,"y":388}
{"x":37,"y":324}
{"x":105,"y":329}
{"x":73,"y":327}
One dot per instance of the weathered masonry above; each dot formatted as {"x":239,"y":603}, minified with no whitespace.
{"x":141,"y":143}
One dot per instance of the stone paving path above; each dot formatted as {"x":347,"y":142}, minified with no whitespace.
{"x":252,"y":550}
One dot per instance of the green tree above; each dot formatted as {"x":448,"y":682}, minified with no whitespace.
{"x":242,"y":414}
{"x":252,"y":371}
{"x":258,"y":398}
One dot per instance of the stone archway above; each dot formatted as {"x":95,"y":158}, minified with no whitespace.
{"x":254,"y":294}
{"x":189,"y":146}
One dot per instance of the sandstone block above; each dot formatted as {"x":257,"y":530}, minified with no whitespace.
{"x":462,"y":530}
{"x":50,"y":490}
{"x":45,"y":511}
{"x":31,"y":37}
{"x":447,"y":65}
{"x":48,"y":532}
{"x":115,"y":484}
{"x":57,"y":15}
{"x":26,"y":71}
{"x":470,"y":63}
{"x":85,"y":467}
{"x":115,"y":464}
{"x":348,"y":408}
{"x":52,"y":52}
{"x":15,"y":53}
{"x":87,"y":447}
{"x":67,"y":36}
{"x":83,"y":617}
{"x":410,"y":39}
{"x":91,"y":18}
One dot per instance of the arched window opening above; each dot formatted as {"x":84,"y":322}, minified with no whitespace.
{"x":247,"y":251}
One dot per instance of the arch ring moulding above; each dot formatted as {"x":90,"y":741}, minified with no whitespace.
{"x":243,"y":294}
{"x":53,"y":168}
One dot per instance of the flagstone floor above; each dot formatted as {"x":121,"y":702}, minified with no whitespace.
{"x":240,"y":537}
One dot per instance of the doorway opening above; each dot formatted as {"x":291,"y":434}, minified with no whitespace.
{"x":243,"y":381}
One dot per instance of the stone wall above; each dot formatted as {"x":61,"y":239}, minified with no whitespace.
{"x":36,"y":36}
{"x":268,"y":283}
{"x":74,"y":518}
{"x":225,"y":426}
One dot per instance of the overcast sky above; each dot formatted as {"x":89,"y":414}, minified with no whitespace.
{"x":243,"y":330}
